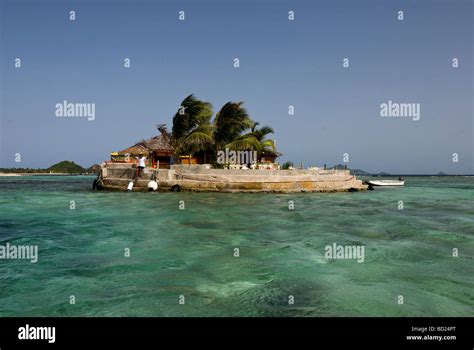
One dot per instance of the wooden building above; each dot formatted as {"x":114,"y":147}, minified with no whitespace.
{"x":158,"y":151}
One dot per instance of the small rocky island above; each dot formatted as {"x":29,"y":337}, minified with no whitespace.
{"x":65,"y":167}
{"x":230,"y":153}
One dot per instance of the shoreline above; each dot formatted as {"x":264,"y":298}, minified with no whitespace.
{"x":42,"y":174}
{"x":362,"y":175}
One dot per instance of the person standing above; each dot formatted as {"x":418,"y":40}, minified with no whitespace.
{"x":141,"y":164}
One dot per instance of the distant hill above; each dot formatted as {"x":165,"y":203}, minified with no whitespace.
{"x":359,"y":172}
{"x":353,"y":171}
{"x":66,"y":166}
{"x":338,"y":167}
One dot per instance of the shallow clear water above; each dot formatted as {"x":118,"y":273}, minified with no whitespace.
{"x":190,"y":252}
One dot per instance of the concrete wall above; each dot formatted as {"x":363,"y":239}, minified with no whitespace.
{"x":198,"y":178}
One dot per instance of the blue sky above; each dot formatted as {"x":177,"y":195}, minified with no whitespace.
{"x":282,"y":63}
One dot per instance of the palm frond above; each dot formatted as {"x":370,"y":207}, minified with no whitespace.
{"x":244,"y":144}
{"x":268,"y":144}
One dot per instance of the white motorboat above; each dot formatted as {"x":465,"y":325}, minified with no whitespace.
{"x":387,"y":182}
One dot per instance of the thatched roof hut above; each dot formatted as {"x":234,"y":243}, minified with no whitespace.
{"x":158,"y":144}
{"x":157,"y":149}
{"x":268,"y":156}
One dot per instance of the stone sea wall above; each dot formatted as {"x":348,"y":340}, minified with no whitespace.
{"x":199,"y":178}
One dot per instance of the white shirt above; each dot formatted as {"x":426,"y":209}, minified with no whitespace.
{"x":141,"y":162}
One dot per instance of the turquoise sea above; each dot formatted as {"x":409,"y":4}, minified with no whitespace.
{"x":190,"y":252}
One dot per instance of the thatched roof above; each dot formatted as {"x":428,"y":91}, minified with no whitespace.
{"x":157,"y":143}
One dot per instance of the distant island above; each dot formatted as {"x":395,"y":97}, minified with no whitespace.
{"x":353,"y":171}
{"x":64,"y":167}
{"x":71,"y":168}
{"x":360,"y":172}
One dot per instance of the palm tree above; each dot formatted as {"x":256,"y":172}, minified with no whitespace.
{"x":231,"y":128}
{"x":266,"y":145}
{"x":229,"y":123}
{"x":192,"y":128}
{"x":199,"y":140}
{"x":164,"y":132}
{"x":254,"y":140}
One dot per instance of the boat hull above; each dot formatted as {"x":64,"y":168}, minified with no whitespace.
{"x":387,"y":183}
